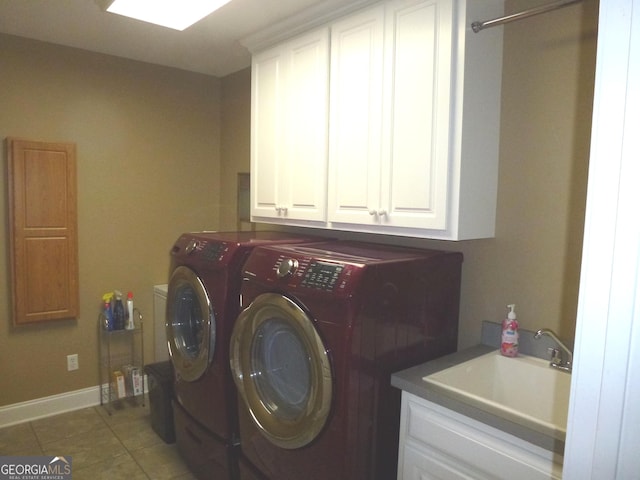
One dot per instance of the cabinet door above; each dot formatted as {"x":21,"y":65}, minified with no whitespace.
{"x":43,"y":230}
{"x":390,"y":115}
{"x":420,"y":465}
{"x":417,"y":106}
{"x":305,"y":134}
{"x":289,"y":130}
{"x":436,"y":442}
{"x":356,"y":117}
{"x":267,"y":149}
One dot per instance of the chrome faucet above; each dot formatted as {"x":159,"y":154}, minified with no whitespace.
{"x":556,"y":359}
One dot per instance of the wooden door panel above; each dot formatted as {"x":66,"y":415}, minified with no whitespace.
{"x":45,"y":182}
{"x":43,"y":230}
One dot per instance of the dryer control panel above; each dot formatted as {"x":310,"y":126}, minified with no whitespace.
{"x":202,"y":249}
{"x":215,"y":251}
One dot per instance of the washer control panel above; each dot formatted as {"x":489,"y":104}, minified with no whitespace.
{"x":322,"y":275}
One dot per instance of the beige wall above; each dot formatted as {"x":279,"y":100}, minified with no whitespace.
{"x":235,"y":146}
{"x":148,"y":155}
{"x":547,"y":94}
{"x":143,"y":131}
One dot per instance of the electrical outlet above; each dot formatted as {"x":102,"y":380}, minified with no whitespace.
{"x":72,"y":362}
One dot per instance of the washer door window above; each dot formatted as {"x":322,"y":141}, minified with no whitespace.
{"x":190,"y":324}
{"x":282,"y":370}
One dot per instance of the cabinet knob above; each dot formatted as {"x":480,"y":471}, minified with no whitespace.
{"x":372,"y":212}
{"x":382,"y":213}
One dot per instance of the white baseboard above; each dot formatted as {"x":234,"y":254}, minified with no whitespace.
{"x":48,"y":406}
{"x":53,"y":405}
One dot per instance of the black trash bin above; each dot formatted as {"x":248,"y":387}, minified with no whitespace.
{"x":160,"y":382}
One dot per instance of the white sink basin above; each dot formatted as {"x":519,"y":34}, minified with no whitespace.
{"x":525,"y":390}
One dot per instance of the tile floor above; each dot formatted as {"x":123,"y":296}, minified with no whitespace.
{"x":120,"y":446}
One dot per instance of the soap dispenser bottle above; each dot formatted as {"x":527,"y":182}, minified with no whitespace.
{"x":509,"y":344}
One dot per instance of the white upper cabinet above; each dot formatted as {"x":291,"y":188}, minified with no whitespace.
{"x":355,"y":118}
{"x":412,"y":111}
{"x":389,"y":116}
{"x":289,"y":130}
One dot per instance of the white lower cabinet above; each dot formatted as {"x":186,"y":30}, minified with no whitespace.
{"x":438,"y":443}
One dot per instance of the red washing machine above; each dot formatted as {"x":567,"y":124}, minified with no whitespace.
{"x":203,"y":302}
{"x":323,"y":327}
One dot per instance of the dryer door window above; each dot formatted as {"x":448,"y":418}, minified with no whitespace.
{"x":282,"y":370}
{"x":190,"y":324}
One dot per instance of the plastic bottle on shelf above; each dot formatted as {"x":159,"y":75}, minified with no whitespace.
{"x":509,"y":343}
{"x":130,"y":323}
{"x":118,"y":312}
{"x":108,"y":314}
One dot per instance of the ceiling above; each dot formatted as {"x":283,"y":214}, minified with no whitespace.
{"x":211,"y":46}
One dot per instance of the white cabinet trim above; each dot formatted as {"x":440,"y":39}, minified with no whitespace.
{"x":434,"y":439}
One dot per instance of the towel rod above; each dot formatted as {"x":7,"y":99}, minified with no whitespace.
{"x":477,"y":26}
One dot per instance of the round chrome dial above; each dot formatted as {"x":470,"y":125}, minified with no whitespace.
{"x":287,"y":267}
{"x":191,"y":246}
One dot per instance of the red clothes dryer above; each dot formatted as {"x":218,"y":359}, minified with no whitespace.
{"x":203,"y":299}
{"x":323,"y":327}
